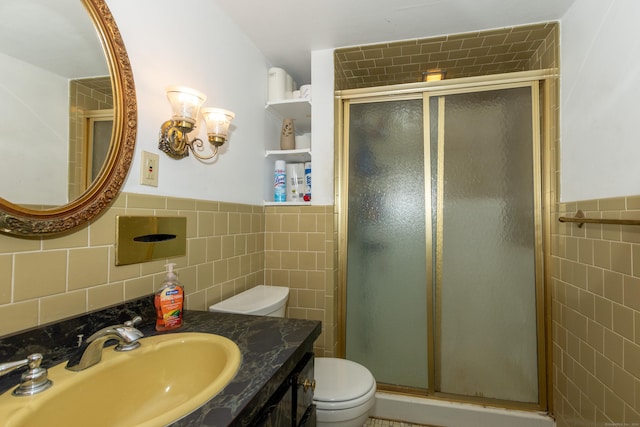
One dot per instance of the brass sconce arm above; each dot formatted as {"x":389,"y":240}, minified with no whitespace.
{"x":174,"y":141}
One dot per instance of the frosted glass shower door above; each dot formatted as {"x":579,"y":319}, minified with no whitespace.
{"x":386,"y":315}
{"x":486,"y":245}
{"x":443,"y":267}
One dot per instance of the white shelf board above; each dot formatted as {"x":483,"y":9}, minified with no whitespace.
{"x":267,"y":203}
{"x":299,"y":155}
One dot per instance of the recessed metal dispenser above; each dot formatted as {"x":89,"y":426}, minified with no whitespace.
{"x":147,"y":238}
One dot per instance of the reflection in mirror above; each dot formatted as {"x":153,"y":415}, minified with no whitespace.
{"x":90,"y":126}
{"x":69,"y":118}
{"x":52,"y":74}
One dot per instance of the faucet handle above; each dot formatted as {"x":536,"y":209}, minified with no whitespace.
{"x":32,"y":381}
{"x":133,"y":322}
{"x":131,"y":334}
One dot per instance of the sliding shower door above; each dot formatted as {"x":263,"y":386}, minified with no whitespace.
{"x":386,"y":313}
{"x":442,"y":262}
{"x":486,"y":241}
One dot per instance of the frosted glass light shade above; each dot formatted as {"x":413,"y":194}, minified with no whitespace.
{"x":185,"y":103}
{"x":217,"y":121}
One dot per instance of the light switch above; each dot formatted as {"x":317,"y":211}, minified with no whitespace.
{"x":149,"y":169}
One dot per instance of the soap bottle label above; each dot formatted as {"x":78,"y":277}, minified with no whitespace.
{"x":170,"y":303}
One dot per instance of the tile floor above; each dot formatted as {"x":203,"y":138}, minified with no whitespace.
{"x":375,"y":422}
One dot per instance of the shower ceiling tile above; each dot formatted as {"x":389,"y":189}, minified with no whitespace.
{"x":462,"y":55}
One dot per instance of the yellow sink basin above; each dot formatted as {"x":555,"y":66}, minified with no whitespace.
{"x":166,"y":378}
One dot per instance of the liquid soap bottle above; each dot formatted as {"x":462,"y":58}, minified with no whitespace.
{"x":169,"y":301}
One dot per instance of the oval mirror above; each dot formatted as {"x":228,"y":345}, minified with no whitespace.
{"x":68,"y":108}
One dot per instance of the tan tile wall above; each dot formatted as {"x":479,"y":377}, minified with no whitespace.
{"x":300,"y":253}
{"x":481,"y":53}
{"x":44,"y":280}
{"x":596,"y":316}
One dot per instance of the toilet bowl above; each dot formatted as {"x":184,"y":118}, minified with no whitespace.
{"x":345,"y":392}
{"x":260,"y":301}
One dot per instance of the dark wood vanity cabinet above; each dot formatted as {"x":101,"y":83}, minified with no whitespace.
{"x":303,"y":384}
{"x":292,"y":404}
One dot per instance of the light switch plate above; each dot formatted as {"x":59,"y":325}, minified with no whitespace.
{"x":149,"y":169}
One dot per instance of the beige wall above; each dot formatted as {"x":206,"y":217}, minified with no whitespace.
{"x":596,"y":316}
{"x":595,"y":300}
{"x":300,"y":253}
{"x":45,"y":280}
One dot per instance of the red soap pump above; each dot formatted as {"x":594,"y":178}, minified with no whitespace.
{"x":169,"y":301}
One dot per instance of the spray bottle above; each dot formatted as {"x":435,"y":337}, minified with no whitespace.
{"x":169,"y":301}
{"x":280,"y":182}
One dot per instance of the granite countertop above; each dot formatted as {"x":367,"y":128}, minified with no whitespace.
{"x":270,"y":347}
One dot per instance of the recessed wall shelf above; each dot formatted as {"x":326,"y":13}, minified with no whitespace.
{"x":298,"y":109}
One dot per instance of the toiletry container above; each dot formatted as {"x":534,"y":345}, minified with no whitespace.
{"x":307,"y":179}
{"x":345,"y":390}
{"x":260,"y":301}
{"x":277,"y":81}
{"x":295,"y":182}
{"x":288,"y":135}
{"x":280,"y":182}
{"x":169,"y":301}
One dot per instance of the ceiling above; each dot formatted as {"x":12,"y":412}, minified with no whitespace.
{"x":286,"y":31}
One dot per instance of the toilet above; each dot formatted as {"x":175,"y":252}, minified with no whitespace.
{"x":259,"y":301}
{"x":345,"y":390}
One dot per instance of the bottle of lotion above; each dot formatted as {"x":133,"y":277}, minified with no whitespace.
{"x":169,"y":301}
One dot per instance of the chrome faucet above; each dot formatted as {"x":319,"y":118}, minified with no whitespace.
{"x":90,"y":353}
{"x":34,"y":380}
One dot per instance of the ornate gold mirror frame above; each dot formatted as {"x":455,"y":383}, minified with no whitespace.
{"x":22,"y":221}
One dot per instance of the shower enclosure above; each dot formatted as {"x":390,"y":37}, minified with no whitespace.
{"x":442,"y":261}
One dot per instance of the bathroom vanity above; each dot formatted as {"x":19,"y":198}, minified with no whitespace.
{"x":273,"y":386}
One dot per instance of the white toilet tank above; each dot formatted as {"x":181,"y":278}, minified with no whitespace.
{"x":260,"y":301}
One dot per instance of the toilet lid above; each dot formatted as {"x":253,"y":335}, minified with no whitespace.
{"x":339,"y":380}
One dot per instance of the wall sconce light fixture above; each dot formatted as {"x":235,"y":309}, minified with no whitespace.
{"x":433,"y":75}
{"x":185,"y":114}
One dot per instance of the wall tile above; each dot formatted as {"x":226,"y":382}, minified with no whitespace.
{"x":9,"y":244}
{"x":143,"y":201}
{"x":197,"y":251}
{"x":38,"y":274}
{"x":87,"y":267}
{"x":101,"y":229}
{"x":19,"y":316}
{"x":77,"y":239}
{"x":6,"y":273}
{"x":632,"y":358}
{"x":105,"y":295}
{"x":610,"y":351}
{"x":63,"y":305}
